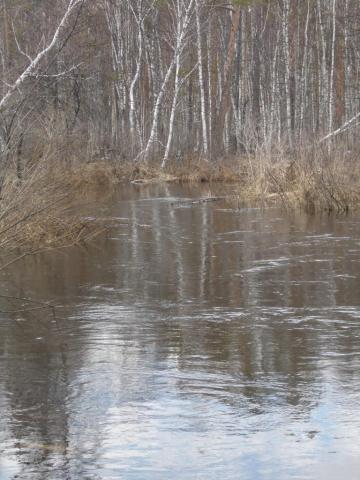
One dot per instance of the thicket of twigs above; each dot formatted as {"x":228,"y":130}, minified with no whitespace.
{"x":312,"y":178}
{"x":36,"y":212}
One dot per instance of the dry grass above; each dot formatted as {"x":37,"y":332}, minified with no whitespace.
{"x":199,"y":170}
{"x":313,"y":180}
{"x":36,"y":213}
{"x":192,"y":169}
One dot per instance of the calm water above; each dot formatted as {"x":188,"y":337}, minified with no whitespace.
{"x":194,"y":342}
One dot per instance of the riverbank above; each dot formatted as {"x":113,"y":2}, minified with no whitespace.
{"x":311,"y":179}
{"x":39,"y":211}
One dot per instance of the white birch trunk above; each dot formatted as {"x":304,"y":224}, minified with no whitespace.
{"x":172,"y":115}
{"x":35,"y":62}
{"x":303,"y":74}
{"x":285,"y":29}
{"x":332,"y":72}
{"x":201,"y":81}
{"x":181,"y":32}
{"x":132,"y":88}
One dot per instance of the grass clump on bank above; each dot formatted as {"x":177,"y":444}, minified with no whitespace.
{"x":36,"y":213}
{"x":100,"y":173}
{"x":311,"y":179}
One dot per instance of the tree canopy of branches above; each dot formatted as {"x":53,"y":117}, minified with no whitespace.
{"x":141,"y":79}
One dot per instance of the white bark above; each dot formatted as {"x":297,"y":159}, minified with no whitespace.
{"x":347,"y":80}
{"x":135,"y":79}
{"x":324,"y":82}
{"x":341,"y":129}
{"x":201,"y":80}
{"x":34,"y":63}
{"x":274,"y":97}
{"x":332,"y":72}
{"x":159,"y":99}
{"x":285,"y":29}
{"x":172,"y":115}
{"x":303,"y":74}
{"x":181,"y":32}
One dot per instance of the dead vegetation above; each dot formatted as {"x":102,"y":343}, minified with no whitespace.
{"x":98,"y":174}
{"x":311,"y":179}
{"x":36,"y":213}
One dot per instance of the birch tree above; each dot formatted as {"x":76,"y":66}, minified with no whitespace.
{"x":33,"y":63}
{"x":182,"y":25}
{"x":139,"y":79}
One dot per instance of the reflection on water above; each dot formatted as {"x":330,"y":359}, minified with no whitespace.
{"x":192,"y":342}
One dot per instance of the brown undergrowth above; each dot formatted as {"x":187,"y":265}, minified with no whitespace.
{"x":37,"y":213}
{"x":311,"y":179}
{"x":98,"y":174}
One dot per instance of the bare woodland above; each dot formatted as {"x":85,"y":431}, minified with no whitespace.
{"x":134,"y":80}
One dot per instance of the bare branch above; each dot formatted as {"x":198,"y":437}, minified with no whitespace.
{"x":30,"y":69}
{"x":341,"y":129}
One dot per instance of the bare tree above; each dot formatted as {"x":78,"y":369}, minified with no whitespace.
{"x":139,"y":79}
{"x":33,"y":63}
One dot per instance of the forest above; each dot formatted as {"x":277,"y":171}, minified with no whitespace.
{"x":263,"y":92}
{"x":179,"y":239}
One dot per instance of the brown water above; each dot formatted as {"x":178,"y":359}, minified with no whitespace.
{"x":194,"y":342}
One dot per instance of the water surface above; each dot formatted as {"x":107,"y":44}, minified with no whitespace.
{"x":193,"y":342}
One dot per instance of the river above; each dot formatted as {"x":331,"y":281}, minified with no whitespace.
{"x":193,"y":341}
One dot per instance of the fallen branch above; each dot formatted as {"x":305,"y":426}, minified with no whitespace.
{"x":341,"y":129}
{"x":41,"y":305}
{"x":197,"y":201}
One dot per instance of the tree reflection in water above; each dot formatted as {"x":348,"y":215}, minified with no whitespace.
{"x":191,"y":341}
